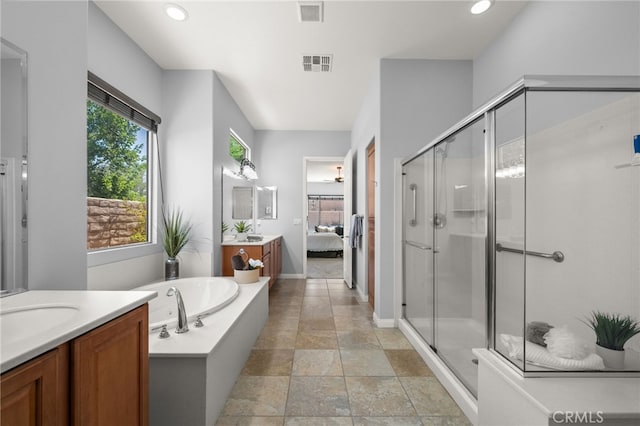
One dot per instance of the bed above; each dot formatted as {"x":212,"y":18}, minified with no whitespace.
{"x":324,"y":244}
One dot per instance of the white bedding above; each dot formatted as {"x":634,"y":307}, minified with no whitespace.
{"x":324,"y":241}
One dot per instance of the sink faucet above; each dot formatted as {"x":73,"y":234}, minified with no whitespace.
{"x":183,"y":327}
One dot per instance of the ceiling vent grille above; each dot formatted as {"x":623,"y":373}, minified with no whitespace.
{"x":317,"y":63}
{"x":310,"y":11}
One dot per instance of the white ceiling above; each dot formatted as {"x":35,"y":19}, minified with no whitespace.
{"x":256,"y":48}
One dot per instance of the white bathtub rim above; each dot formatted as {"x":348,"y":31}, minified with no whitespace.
{"x":200,"y":342}
{"x":156,"y":327}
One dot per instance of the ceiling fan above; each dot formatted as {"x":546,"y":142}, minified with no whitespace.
{"x":339,"y":178}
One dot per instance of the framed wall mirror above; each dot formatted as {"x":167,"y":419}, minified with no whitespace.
{"x":13,"y":169}
{"x":267,"y":199}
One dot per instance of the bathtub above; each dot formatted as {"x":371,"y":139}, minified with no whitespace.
{"x":202,"y":296}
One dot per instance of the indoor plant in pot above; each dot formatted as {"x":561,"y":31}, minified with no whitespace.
{"x":176,"y":233}
{"x":242,"y":229}
{"x":612,"y":332}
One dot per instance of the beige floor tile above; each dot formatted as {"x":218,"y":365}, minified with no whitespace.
{"x":350,"y":311}
{"x":317,"y":339}
{"x":285,"y":300}
{"x":317,"y":396}
{"x":277,"y":322}
{"x":351,"y":323}
{"x":316,"y":285}
{"x":387,"y":421}
{"x":318,"y":421}
{"x":257,"y":396}
{"x":316,"y":281}
{"x":358,"y":339}
{"x":316,"y":301}
{"x":319,"y":323}
{"x":429,"y":397}
{"x":312,"y":292}
{"x":446,"y":421}
{"x":312,"y":311}
{"x":337,"y":281}
{"x":316,"y":362}
{"x":269,"y":362}
{"x":365,"y":362}
{"x":392,"y":338}
{"x":407,"y":362}
{"x":276,"y":338}
{"x":344,"y":300}
{"x":249,"y":421}
{"x":290,"y":311}
{"x":378,"y":396}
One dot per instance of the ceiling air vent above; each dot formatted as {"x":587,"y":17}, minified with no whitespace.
{"x":317,"y":63}
{"x":310,"y":11}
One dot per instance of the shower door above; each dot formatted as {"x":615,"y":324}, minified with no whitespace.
{"x":418,"y":245}
{"x":459,"y":224}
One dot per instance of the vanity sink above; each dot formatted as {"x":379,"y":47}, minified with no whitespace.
{"x":26,"y":322}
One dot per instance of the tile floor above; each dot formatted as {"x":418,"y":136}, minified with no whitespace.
{"x":320,"y":361}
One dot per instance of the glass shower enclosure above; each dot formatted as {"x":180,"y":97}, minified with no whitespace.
{"x":521,"y":222}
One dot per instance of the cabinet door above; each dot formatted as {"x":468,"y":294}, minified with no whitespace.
{"x":37,"y":392}
{"x":267,"y":270}
{"x":278,"y":259}
{"x":110,"y":379}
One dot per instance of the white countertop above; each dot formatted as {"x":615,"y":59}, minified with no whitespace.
{"x":613,"y":396}
{"x":83,"y":311}
{"x":265,"y":240}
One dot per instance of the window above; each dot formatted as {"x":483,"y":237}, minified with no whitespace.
{"x":237,"y":149}
{"x":120,"y":138}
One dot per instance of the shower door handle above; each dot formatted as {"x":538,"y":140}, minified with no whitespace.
{"x":414,"y":188}
{"x":417,"y":245}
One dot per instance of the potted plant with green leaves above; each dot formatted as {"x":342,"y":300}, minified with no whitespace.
{"x":176,"y":233}
{"x":242,"y":229}
{"x":612,"y":332}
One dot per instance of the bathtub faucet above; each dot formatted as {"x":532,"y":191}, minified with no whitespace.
{"x":183,"y":327}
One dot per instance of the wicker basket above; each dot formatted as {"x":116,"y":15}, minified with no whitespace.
{"x":246,"y":276}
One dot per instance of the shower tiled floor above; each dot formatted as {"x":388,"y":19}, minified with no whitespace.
{"x":320,"y":361}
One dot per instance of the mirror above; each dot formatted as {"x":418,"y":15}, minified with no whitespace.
{"x":267,"y":202}
{"x":13,"y":169}
{"x":242,"y":202}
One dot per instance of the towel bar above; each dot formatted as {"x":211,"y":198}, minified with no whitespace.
{"x":556,"y":256}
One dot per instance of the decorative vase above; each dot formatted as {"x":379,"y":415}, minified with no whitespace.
{"x":246,"y":276}
{"x":613,"y":359}
{"x":171,"y":269}
{"x":241,"y":236}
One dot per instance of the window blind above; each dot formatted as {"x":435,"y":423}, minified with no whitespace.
{"x":108,"y":96}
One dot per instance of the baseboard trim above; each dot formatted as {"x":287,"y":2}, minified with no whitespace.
{"x":383,"y":323}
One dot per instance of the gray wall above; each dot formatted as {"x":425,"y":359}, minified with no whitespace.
{"x":418,"y":99}
{"x":55,"y":36}
{"x":570,"y":38}
{"x":279,"y":158}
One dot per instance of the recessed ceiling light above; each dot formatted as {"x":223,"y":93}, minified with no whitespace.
{"x":480,"y":7}
{"x":176,"y":12}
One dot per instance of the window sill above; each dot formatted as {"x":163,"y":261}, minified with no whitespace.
{"x":119,"y":254}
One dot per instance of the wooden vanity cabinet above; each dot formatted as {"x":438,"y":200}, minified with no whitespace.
{"x":270,"y":253}
{"x":110,"y":372}
{"x":98,"y":378}
{"x":37,"y":392}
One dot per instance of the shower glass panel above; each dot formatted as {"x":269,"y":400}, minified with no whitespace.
{"x":459,"y":222}
{"x":418,"y":244}
{"x":583,"y":200}
{"x":509,"y":222}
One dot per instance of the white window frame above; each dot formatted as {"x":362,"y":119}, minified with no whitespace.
{"x":247,"y":149}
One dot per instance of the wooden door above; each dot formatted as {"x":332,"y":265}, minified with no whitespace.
{"x":37,"y":392}
{"x":110,"y":381}
{"x":371,"y":222}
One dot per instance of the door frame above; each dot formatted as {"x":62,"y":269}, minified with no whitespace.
{"x":305,"y":205}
